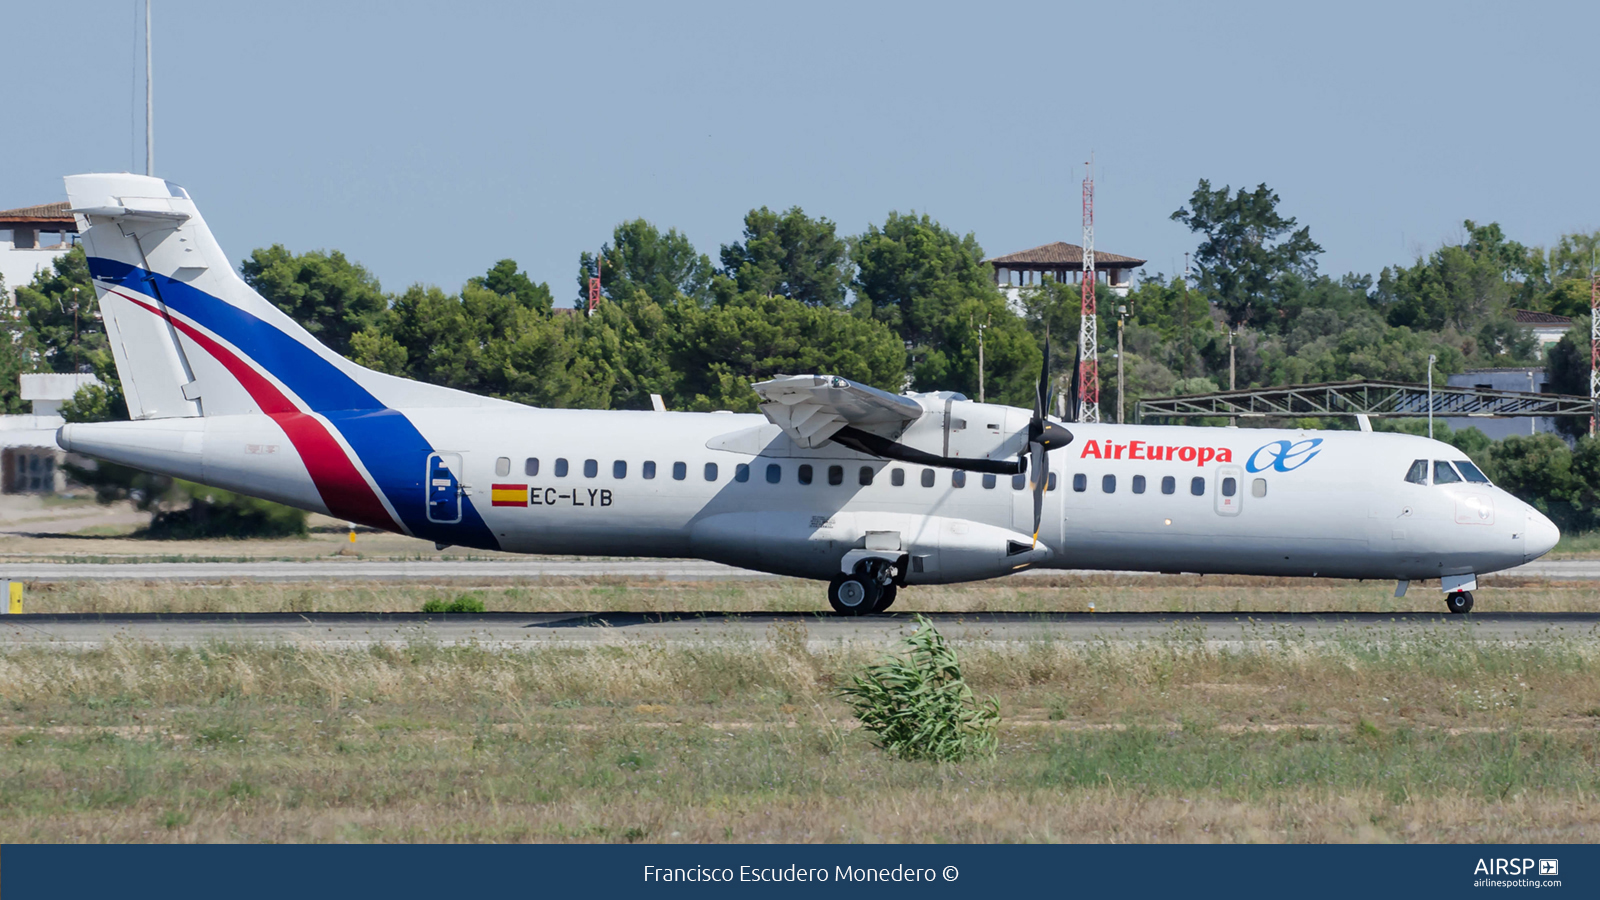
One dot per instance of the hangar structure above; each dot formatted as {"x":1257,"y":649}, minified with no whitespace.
{"x":1373,"y":399}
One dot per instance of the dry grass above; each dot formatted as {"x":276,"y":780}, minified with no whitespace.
{"x":1434,"y":739}
{"x":1072,"y":593}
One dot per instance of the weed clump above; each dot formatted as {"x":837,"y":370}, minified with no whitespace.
{"x":466,"y":603}
{"x":919,"y":706}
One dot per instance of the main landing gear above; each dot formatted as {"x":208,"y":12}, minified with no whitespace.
{"x":869,"y":589}
{"x":1459,"y":601}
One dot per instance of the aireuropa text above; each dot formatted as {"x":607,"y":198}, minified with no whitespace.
{"x":792,"y":873}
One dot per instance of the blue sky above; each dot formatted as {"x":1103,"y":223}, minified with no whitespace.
{"x":429,"y":140}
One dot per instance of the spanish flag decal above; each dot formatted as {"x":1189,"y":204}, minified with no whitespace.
{"x":509,"y":494}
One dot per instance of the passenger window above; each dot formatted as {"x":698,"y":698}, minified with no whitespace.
{"x":741,"y":473}
{"x":1169,"y":485}
{"x":1108,"y":484}
{"x":1080,"y":482}
{"x":561,"y":468}
{"x":711,"y":471}
{"x":988,"y":481}
{"x":774,"y":473}
{"x":1019,"y":481}
{"x":927,"y":477}
{"x":1258,"y":488}
{"x":804,"y":474}
{"x":897,"y":477}
{"x":836,"y":475}
{"x":1471,"y":472}
{"x":530,"y":467}
{"x":1443,"y":473}
{"x":958,"y":479}
{"x":1230,"y":486}
{"x":648,"y":470}
{"x":679,"y":471}
{"x":591,"y":468}
{"x":1197,"y":486}
{"x":619,"y":469}
{"x":1052,"y":485}
{"x":502,"y":466}
{"x":865,"y":475}
{"x":1418,"y":473}
{"x":1138,"y":484}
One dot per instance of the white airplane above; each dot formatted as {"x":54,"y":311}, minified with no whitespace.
{"x":836,"y":481}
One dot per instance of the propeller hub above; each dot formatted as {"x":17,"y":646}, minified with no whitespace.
{"x":1048,"y":435}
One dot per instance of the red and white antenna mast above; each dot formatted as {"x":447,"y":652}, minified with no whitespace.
{"x":1088,"y":327}
{"x":594,"y":284}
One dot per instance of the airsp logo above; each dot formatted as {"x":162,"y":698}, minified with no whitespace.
{"x":1283,"y":456}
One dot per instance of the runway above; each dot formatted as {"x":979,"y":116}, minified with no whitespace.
{"x":531,"y":568}
{"x":510,"y":631}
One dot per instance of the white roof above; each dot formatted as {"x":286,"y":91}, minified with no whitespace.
{"x":54,"y":386}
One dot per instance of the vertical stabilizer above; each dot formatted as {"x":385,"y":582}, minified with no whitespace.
{"x":191,"y":338}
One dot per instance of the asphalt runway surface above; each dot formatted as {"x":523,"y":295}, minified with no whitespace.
{"x":532,"y":567}
{"x":530,"y":630}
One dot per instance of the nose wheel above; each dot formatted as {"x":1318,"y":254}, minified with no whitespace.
{"x":854,"y":595}
{"x":1459,"y":601}
{"x":870,"y":589}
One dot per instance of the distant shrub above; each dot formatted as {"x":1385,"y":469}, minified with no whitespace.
{"x":466,"y":603}
{"x":919,"y":706}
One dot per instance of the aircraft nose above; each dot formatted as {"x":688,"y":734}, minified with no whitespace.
{"x":1542,"y":534}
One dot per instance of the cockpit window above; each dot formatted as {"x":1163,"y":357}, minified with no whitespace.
{"x":1471,"y":472}
{"x":1443,"y":473}
{"x":1418,"y":473}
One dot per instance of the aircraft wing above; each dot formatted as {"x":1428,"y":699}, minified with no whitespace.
{"x":812,"y":408}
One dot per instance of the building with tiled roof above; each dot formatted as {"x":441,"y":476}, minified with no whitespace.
{"x":1547,"y":328}
{"x":1063,"y":262}
{"x":31,"y":238}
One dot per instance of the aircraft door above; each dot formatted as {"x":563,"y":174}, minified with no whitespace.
{"x":1229,"y":490}
{"x":444,"y":488}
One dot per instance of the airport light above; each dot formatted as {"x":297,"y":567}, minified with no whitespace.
{"x":1431,"y":360}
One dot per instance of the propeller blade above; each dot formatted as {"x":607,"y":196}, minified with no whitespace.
{"x":1040,"y":464}
{"x":1041,"y":394}
{"x":1072,"y":389}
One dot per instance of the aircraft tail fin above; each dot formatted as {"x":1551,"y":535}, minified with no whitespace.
{"x":190,"y":337}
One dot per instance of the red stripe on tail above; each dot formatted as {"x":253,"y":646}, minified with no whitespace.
{"x":344,"y":491}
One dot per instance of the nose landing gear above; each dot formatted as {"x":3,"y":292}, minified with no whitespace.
{"x":1459,"y":601}
{"x":869,"y":589}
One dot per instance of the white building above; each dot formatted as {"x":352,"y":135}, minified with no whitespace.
{"x":1547,"y":328}
{"x":1025,"y":269}
{"x":30,"y":460}
{"x":32,"y":238}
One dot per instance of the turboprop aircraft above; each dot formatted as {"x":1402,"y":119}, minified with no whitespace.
{"x":834,"y":481}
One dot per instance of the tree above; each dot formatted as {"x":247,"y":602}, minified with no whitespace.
{"x":1249,"y":249}
{"x":59,"y":310}
{"x":506,"y":279}
{"x":1463,"y":286}
{"x":790,"y":255}
{"x":932,"y":287}
{"x":640,"y":258}
{"x":1567,"y":367}
{"x":752,"y":336}
{"x":16,"y":358}
{"x":330,"y":296}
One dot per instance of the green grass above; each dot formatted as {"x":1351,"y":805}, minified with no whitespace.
{"x":1440,"y":738}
